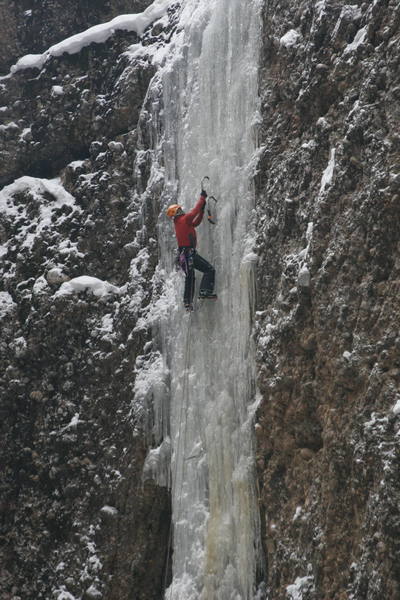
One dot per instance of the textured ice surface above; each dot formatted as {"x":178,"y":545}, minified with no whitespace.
{"x":210,"y":97}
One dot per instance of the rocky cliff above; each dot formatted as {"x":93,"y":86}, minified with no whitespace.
{"x":79,"y":253}
{"x":31,"y":26}
{"x":77,"y":518}
{"x":328,"y":322}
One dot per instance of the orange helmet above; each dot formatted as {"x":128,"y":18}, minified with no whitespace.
{"x":172,"y":210}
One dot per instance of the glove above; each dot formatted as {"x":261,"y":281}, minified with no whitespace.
{"x":205,"y":181}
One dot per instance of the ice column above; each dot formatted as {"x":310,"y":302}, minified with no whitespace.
{"x":210,"y":106}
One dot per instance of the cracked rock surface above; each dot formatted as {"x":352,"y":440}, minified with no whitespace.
{"x":328,"y":303}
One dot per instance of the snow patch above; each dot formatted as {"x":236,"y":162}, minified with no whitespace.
{"x":301,"y":584}
{"x":10,"y":125}
{"x":26,"y":134}
{"x":7,"y":304}
{"x":84,"y":283}
{"x":359,"y":39}
{"x":40,"y":286}
{"x":106,"y":328}
{"x":297,"y":513}
{"x":396,"y":407}
{"x":93,"y":593}
{"x":304,"y":277}
{"x":74,"y":422}
{"x":291,"y":38}
{"x":20,"y":346}
{"x":327,"y":175}
{"x":76,"y":164}
{"x":156,"y":53}
{"x":310,"y":145}
{"x":109,"y":510}
{"x":56,"y":276}
{"x":57,"y":90}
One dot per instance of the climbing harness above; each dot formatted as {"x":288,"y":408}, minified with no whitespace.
{"x":185,"y":259}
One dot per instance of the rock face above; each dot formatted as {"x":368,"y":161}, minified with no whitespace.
{"x":62,"y":114}
{"x":328,"y":302}
{"x":31,"y":26}
{"x":77,"y":254}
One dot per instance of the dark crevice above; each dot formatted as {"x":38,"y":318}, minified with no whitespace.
{"x":46,"y":168}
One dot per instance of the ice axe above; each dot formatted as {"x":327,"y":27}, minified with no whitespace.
{"x":210,"y":214}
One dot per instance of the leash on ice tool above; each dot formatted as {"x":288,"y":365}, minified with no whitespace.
{"x":211,"y":213}
{"x":184,"y":405}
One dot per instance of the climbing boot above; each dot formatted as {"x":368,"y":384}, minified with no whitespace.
{"x":204,"y":295}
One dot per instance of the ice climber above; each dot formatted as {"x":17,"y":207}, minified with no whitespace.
{"x":188,"y":258}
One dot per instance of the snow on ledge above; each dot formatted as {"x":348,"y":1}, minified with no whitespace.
{"x":85,"y":283}
{"x":37,"y":188}
{"x":97,"y":34}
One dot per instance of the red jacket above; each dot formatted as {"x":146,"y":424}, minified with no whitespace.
{"x":185,"y":224}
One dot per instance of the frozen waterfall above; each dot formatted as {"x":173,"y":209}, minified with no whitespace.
{"x":209,"y":84}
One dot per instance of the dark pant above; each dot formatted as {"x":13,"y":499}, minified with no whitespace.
{"x":207,"y":281}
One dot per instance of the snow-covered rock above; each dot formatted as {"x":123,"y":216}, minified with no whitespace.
{"x":7,"y":305}
{"x":84,"y":283}
{"x":291,"y":38}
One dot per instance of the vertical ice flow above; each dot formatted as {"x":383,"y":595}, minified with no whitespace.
{"x":210,"y":104}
